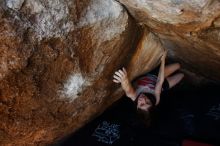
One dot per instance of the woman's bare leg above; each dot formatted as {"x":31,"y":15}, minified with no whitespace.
{"x":169,"y":69}
{"x":175,"y":79}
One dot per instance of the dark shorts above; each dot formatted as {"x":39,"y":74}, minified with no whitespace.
{"x":166,"y":85}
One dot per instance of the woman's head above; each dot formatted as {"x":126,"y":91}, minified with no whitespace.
{"x":145,"y":105}
{"x":145,"y":101}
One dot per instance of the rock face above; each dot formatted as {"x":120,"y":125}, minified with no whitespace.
{"x":146,"y":56}
{"x":190,"y":30}
{"x":57,"y":57}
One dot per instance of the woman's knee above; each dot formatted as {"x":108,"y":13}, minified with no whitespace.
{"x":181,"y":75}
{"x":177,"y":65}
{"x":175,"y":79}
{"x":178,"y":77}
{"x":170,"y":69}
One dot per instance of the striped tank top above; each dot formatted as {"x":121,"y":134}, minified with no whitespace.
{"x":146,"y":84}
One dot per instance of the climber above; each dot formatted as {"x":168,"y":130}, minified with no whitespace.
{"x":147,"y":88}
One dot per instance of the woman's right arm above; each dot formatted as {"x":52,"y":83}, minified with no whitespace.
{"x":120,"y":76}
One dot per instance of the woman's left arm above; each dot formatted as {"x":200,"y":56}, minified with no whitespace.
{"x":160,"y":78}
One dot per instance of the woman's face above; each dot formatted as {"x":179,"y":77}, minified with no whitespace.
{"x":143,"y":102}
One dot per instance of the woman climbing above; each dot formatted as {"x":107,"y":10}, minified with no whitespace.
{"x":147,"y":88}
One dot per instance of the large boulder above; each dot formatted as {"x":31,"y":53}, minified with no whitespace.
{"x":57,"y":58}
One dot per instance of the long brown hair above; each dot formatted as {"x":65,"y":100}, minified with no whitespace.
{"x":145,"y":116}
